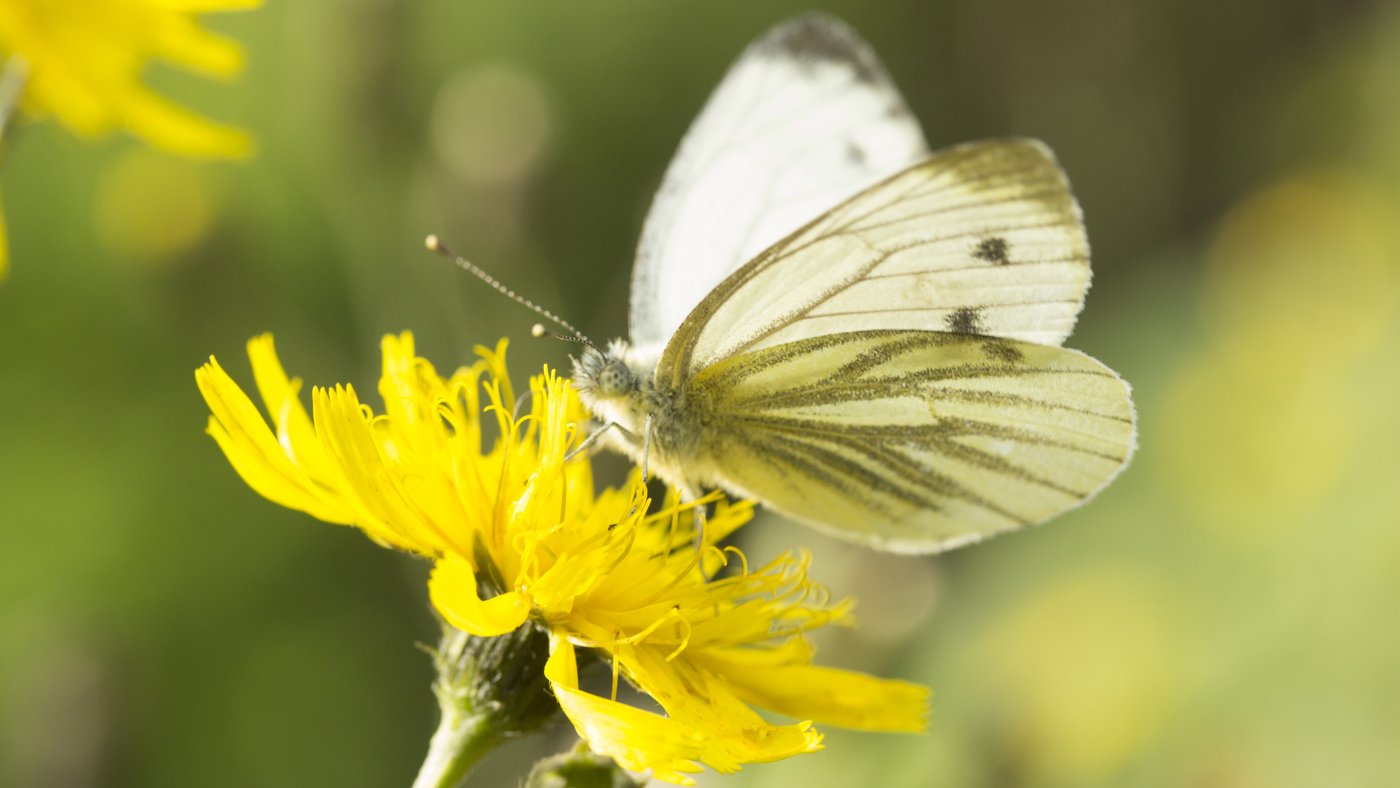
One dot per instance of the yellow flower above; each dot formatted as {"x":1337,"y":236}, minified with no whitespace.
{"x":597,"y":571}
{"x":85,"y":59}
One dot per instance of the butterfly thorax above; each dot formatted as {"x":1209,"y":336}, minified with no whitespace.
{"x":619,"y":389}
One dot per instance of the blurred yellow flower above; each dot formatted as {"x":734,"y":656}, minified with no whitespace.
{"x":1310,"y":261}
{"x":85,"y":59}
{"x":596,"y":570}
{"x":1300,"y":290}
{"x":1086,"y":674}
{"x":151,"y":209}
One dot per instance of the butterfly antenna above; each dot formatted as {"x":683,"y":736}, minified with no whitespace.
{"x":436,"y":245}
{"x":538,"y":330}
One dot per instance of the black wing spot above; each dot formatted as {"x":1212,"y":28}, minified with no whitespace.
{"x":816,"y":37}
{"x":1002,"y":351}
{"x":855,"y":154}
{"x":964,"y":320}
{"x":993,"y":250}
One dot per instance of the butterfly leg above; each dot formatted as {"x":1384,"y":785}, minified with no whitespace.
{"x":520,"y":403}
{"x":700,"y":525}
{"x":593,"y":437}
{"x":646,"y":449}
{"x":646,"y":446}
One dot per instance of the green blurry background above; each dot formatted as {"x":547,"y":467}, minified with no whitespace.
{"x":1224,"y":616}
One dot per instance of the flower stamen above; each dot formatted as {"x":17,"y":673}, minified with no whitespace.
{"x":685,"y":641}
{"x":614,"y":664}
{"x":743,"y":559}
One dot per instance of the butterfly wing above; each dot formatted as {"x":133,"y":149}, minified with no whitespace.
{"x":982,"y":238}
{"x":804,"y":119}
{"x":915,"y":441}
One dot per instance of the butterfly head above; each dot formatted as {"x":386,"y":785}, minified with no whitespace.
{"x":604,"y":375}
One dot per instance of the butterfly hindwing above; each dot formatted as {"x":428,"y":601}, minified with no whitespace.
{"x":804,"y":119}
{"x":915,"y":441}
{"x":982,"y":239}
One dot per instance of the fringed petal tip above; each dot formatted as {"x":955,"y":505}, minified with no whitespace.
{"x":254,"y":450}
{"x":638,"y":740}
{"x":829,"y":696}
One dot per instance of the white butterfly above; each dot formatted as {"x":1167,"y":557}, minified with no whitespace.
{"x":861,"y":335}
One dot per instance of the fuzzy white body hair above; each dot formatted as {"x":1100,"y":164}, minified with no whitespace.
{"x":617,"y":387}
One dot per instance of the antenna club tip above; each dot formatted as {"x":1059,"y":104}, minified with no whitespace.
{"x":538,"y":330}
{"x":432,"y":243}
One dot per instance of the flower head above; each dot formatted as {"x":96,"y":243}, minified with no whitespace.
{"x":85,"y":59}
{"x":519,"y":538}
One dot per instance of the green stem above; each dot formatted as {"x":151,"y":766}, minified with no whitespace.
{"x":458,"y":744}
{"x":489,"y":689}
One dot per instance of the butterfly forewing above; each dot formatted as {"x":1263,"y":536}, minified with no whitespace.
{"x":915,"y":441}
{"x":805,"y":118}
{"x":855,"y":332}
{"x":983,"y":238}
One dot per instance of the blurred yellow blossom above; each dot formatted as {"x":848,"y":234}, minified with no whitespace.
{"x":81,"y":61}
{"x":150,"y":209}
{"x":1259,"y":432}
{"x":1310,"y":263}
{"x":86,"y":56}
{"x":1301,"y":287}
{"x":597,"y":571}
{"x":1086,"y":672}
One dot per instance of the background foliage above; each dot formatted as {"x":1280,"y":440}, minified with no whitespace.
{"x":1222,"y":617}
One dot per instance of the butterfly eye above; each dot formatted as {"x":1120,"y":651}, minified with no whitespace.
{"x":615,"y":379}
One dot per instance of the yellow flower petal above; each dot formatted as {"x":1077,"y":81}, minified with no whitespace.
{"x":180,"y":40}
{"x":381,"y":505}
{"x":834,"y":697}
{"x":255,"y":453}
{"x":295,"y":433}
{"x":575,"y":574}
{"x":177,"y":130}
{"x":636,"y":739}
{"x":202,"y":6}
{"x":453,"y":591}
{"x":701,"y":701}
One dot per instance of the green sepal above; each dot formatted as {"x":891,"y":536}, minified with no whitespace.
{"x":580,"y":768}
{"x":489,"y":689}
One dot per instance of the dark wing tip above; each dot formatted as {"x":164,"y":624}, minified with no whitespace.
{"x":820,"y":37}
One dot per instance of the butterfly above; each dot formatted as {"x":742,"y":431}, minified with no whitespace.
{"x":859,"y":334}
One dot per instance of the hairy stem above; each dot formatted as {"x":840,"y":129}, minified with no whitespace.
{"x":458,"y":744}
{"x":489,"y":689}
